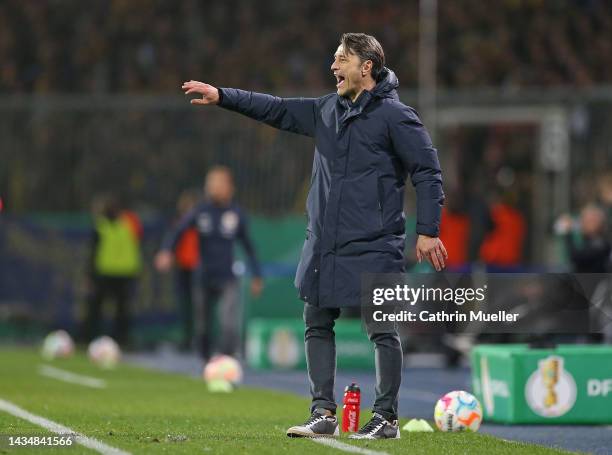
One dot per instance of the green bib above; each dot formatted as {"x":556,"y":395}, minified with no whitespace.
{"x":118,"y":252}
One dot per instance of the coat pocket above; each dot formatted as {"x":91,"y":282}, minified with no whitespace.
{"x":307,"y":270}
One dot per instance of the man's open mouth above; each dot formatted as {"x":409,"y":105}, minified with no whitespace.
{"x":340,"y":80}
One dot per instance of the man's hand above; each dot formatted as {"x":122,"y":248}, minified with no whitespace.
{"x":163,"y":261}
{"x":432,"y":249}
{"x":256,"y":287}
{"x":210,"y":95}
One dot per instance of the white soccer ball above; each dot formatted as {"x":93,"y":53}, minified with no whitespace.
{"x":223,"y":368}
{"x":57,"y":344}
{"x":104,"y":352}
{"x":458,"y":411}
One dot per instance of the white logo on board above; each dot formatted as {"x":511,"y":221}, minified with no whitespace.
{"x":283,"y":350}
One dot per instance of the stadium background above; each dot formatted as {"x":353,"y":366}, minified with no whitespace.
{"x":517,"y":95}
{"x":89,"y":103}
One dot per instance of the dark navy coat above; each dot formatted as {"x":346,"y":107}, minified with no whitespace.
{"x":364,"y":153}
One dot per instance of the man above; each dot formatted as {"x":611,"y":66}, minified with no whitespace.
{"x":187,"y":259}
{"x":592,"y":253}
{"x":220,"y":222}
{"x":114,"y":265}
{"x":367,"y":143}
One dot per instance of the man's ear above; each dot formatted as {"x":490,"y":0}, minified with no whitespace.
{"x":366,"y":68}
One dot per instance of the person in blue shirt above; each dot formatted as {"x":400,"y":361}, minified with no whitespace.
{"x":220,"y":222}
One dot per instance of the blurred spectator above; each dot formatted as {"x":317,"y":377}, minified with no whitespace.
{"x":114,"y":265}
{"x":187,"y":258}
{"x":605,"y":197}
{"x":455,"y":232}
{"x":590,"y":253}
{"x":503,"y":245}
{"x":220,"y":223}
{"x":147,"y":45}
{"x":479,"y":217}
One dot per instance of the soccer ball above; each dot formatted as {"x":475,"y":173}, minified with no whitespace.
{"x":104,"y":352}
{"x":458,"y":411}
{"x":57,"y":344}
{"x":221,"y":371}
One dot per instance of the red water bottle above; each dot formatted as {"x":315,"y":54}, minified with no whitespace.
{"x":350,"y":410}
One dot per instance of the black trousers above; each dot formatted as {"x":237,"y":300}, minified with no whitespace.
{"x":321,"y":359}
{"x":226,"y":297}
{"x":117,"y":289}
{"x":184,"y":297}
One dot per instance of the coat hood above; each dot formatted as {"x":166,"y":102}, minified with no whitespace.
{"x":386,"y":87}
{"x":387,"y":84}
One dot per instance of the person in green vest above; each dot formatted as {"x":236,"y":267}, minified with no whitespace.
{"x":115,"y":264}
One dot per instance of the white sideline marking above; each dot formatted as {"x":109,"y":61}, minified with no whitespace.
{"x":346,"y":447}
{"x":73,"y":378}
{"x":54,"y":427}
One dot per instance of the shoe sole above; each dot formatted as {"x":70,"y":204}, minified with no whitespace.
{"x":299,"y":434}
{"x":311,"y":435}
{"x":397,"y":436}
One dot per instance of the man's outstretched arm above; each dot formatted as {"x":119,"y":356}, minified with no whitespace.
{"x":297,"y":115}
{"x":165,"y":257}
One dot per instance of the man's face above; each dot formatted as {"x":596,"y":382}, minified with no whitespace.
{"x":347,"y":69}
{"x":219,"y":187}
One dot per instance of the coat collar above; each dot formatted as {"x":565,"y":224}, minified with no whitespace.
{"x":385,"y":88}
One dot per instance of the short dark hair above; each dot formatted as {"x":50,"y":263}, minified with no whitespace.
{"x":366,"y":47}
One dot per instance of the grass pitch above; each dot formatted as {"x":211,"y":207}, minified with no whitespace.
{"x":150,"y":412}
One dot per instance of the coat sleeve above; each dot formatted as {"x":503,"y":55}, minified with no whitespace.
{"x":413,"y":145}
{"x":297,"y":115}
{"x":172,"y":237}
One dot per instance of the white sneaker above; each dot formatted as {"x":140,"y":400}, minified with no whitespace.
{"x":378,"y":428}
{"x":321,"y":424}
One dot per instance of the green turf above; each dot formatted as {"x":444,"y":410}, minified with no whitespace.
{"x":150,"y":412}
